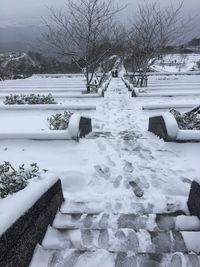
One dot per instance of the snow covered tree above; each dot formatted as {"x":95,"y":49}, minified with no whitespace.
{"x":152,"y":29}
{"x":79,"y":30}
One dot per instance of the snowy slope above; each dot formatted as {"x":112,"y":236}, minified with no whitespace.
{"x":177,"y":63}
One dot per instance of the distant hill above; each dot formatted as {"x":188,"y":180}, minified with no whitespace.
{"x":25,"y":64}
{"x":195,"y":42}
{"x":19,"y":39}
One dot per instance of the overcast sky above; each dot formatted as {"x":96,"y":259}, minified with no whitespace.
{"x":29,"y":12}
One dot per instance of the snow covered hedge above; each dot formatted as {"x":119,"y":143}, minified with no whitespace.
{"x":189,"y":120}
{"x":29,"y":99}
{"x":13,"y":180}
{"x":59,"y":121}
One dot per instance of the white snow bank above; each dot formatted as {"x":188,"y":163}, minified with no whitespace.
{"x":73,"y":127}
{"x":42,"y":135}
{"x":167,"y":73}
{"x":74,"y":181}
{"x":14,"y":206}
{"x":193,"y":135}
{"x":61,"y":75}
{"x":168,"y":106}
{"x":77,"y":95}
{"x":101,"y":91}
{"x":72,"y":132}
{"x":168,"y":94}
{"x":186,"y":87}
{"x":42,"y":90}
{"x":47,"y":107}
{"x":171,"y":125}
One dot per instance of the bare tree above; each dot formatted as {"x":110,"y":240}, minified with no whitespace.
{"x":79,"y":31}
{"x":153,"y":28}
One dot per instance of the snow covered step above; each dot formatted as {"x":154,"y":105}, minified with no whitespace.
{"x":191,"y":240}
{"x":120,"y":240}
{"x":103,"y":258}
{"x":187,"y":223}
{"x":150,"y":222}
{"x":105,"y":220}
{"x":131,"y":207}
{"x":79,"y":207}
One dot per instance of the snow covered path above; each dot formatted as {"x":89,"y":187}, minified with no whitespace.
{"x":128,"y":153}
{"x":121,"y":177}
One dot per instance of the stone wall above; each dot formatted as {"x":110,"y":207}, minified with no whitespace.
{"x":17,"y":244}
{"x":158,"y":127}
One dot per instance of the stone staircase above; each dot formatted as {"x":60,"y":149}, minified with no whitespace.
{"x":85,"y":236}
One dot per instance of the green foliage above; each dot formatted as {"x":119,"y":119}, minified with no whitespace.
{"x":187,"y":121}
{"x":59,"y":121}
{"x":31,"y":99}
{"x":13,"y":180}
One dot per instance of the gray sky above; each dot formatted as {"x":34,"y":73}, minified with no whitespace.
{"x":29,"y":12}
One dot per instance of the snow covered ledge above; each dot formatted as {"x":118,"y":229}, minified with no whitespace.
{"x":78,"y":126}
{"x":166,"y":127}
{"x":25,"y":217}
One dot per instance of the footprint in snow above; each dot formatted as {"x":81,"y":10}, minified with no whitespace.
{"x":71,"y":260}
{"x":117,"y":181}
{"x":128,"y":167}
{"x":103,"y":171}
{"x":87,"y":237}
{"x":138,"y":191}
{"x":111,"y":162}
{"x":101,"y":146}
{"x":103,"y":239}
{"x":55,"y":260}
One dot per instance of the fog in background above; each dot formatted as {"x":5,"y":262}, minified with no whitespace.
{"x":21,"y":20}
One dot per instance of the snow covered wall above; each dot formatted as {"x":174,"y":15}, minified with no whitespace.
{"x":165,"y":126}
{"x":18,"y":242}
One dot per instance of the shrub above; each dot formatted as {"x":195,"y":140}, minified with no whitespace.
{"x":13,"y":180}
{"x":189,"y":120}
{"x":59,"y":121}
{"x":29,"y":99}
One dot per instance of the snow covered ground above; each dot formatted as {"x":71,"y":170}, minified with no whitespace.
{"x":97,"y":172}
{"x":123,"y":149}
{"x":177,"y":63}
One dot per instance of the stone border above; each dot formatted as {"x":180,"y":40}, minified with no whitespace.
{"x":18,"y":243}
{"x":158,"y":127}
{"x":194,"y":199}
{"x":165,"y":126}
{"x":85,"y":126}
{"x":78,"y":126}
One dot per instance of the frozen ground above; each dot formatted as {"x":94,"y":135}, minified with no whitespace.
{"x":99,"y":173}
